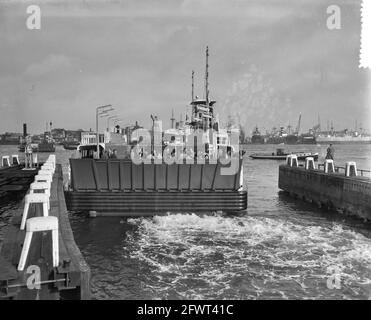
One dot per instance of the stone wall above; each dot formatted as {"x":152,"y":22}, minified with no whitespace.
{"x":350,"y":195}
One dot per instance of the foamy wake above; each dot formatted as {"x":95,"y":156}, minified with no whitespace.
{"x":208,"y":257}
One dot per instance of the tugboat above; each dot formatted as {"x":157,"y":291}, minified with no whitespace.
{"x":170,"y":176}
{"x":46,"y":145}
{"x":280,"y":154}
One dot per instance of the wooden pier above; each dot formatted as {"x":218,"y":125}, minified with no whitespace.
{"x":348,"y":194}
{"x":39,"y":279}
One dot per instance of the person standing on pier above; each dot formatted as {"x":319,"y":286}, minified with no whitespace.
{"x":28,"y":153}
{"x":330,"y":152}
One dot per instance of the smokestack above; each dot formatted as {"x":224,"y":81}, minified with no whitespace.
{"x":24,"y":130}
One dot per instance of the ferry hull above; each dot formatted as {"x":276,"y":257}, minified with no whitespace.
{"x":151,"y":203}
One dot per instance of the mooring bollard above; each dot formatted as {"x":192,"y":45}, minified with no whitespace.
{"x":350,"y":169}
{"x":5,"y":162}
{"x":40,"y":224}
{"x":41,"y":186}
{"x":48,"y":166}
{"x":46,"y":172}
{"x":309,"y":163}
{"x":288,"y":160}
{"x":34,"y":198}
{"x":292,"y":160}
{"x":15,"y":160}
{"x":52,"y":158}
{"x":43,"y":178}
{"x":329,"y":166}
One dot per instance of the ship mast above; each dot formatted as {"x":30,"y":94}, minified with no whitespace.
{"x":172,"y":119}
{"x":193,"y":85}
{"x":207,"y":77}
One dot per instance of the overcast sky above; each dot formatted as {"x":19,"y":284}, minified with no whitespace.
{"x":269,"y":61}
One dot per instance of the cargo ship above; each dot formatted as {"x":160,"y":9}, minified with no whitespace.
{"x":257,"y":137}
{"x":277,"y":136}
{"x":307,"y":138}
{"x":343,"y":137}
{"x":207,"y":177}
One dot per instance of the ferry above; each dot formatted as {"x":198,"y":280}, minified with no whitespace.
{"x":205,"y":178}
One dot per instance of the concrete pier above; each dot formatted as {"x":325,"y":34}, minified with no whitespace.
{"x":350,"y":195}
{"x":40,"y":280}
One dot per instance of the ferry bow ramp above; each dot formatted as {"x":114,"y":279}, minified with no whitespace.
{"x":121,"y":187}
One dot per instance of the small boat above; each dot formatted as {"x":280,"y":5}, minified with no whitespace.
{"x":281,"y":155}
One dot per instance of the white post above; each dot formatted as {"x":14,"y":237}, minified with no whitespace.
{"x":350,"y":169}
{"x":329,"y":166}
{"x":309,"y":163}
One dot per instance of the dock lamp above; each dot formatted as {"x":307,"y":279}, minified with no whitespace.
{"x":101,"y":111}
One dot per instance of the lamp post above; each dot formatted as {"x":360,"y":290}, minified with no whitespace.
{"x":101,"y":111}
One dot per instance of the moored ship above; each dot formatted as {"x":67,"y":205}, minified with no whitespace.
{"x":257,"y":137}
{"x":307,"y":138}
{"x":291,"y":139}
{"x":46,"y":145}
{"x":343,"y":138}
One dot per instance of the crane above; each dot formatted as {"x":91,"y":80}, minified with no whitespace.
{"x":298,"y":126}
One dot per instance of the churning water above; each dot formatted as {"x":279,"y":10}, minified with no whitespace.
{"x":279,"y":249}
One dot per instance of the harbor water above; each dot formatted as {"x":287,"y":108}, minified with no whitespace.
{"x":281,"y":248}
